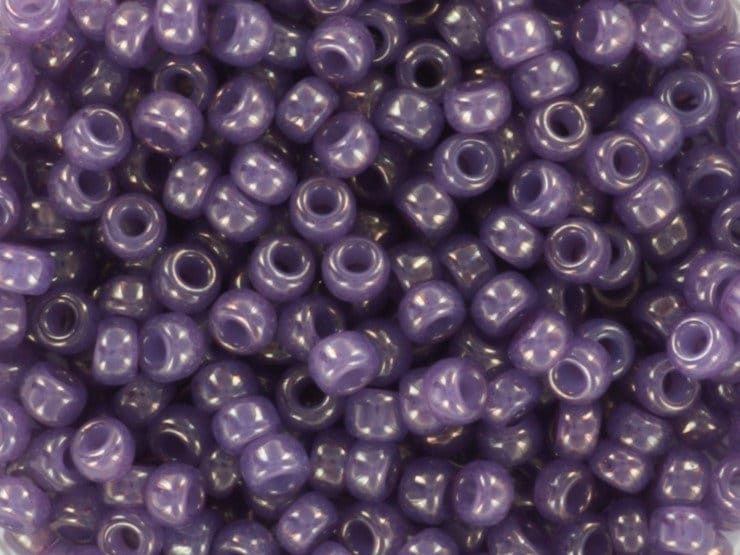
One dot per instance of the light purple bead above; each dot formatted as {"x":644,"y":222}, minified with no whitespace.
{"x":456,"y":391}
{"x":603,"y":32}
{"x":583,"y":375}
{"x":651,"y":205}
{"x":129,"y":36}
{"x":13,"y":320}
{"x":195,"y":538}
{"x":577,"y":251}
{"x":657,"y":37}
{"x":422,"y":490}
{"x":103,"y":449}
{"x":374,"y":415}
{"x":700,"y":345}
{"x":501,"y":304}
{"x":698,"y":18}
{"x":482,"y":493}
{"x":305,"y":321}
{"x":241,"y":33}
{"x":53,"y":396}
{"x":186,"y":279}
{"x":96,"y":138}
{"x":122,"y":527}
{"x":415,"y":411}
{"x":725,"y":500}
{"x":681,"y":529}
{"x":322,"y":209}
{"x":656,"y":126}
{"x":42,"y":116}
{"x":355,"y":269}
{"x":512,"y":238}
{"x":262,"y":174}
{"x":707,"y":175}
{"x":729,"y":305}
{"x":78,"y":194}
{"x":409,"y":117}
{"x":558,"y":131}
{"x":25,"y":270}
{"x":431,"y":312}
{"x":171,"y":347}
{"x":24,"y":508}
{"x":244,"y":536}
{"x":305,"y":523}
{"x":346,"y":144}
{"x":180,"y":25}
{"x":517,"y":37}
{"x":427,"y":207}
{"x":174,"y":494}
{"x":376,"y":528}
{"x":541,"y":342}
{"x":661,"y":388}
{"x":615,"y":162}
{"x":304,"y":108}
{"x":372,"y":469}
{"x":477,"y":106}
{"x":274,"y":465}
{"x":705,"y":279}
{"x":133,"y":226}
{"x":683,"y":478}
{"x":576,"y":430}
{"x":542,"y":192}
{"x":430,"y":540}
{"x":344,"y":362}
{"x":724,"y":217}
{"x":219,"y":382}
{"x":465,"y":165}
{"x":240,"y":421}
{"x":168,"y":123}
{"x":242,"y":109}
{"x":544,"y":78}
{"x":15,"y":430}
{"x":31,"y":23}
{"x":463,"y":27}
{"x":188,"y":183}
{"x":340,"y":50}
{"x":91,"y":16}
{"x":17,"y":76}
{"x":620,"y":467}
{"x":233,"y":214}
{"x":116,"y":353}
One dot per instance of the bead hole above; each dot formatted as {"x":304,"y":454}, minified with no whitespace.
{"x":104,"y":127}
{"x":182,"y":84}
{"x":564,"y":121}
{"x":676,"y":387}
{"x":573,"y":248}
{"x":325,"y":323}
{"x":92,"y":184}
{"x":234,"y":333}
{"x":357,"y":258}
{"x":193,"y":270}
{"x":322,"y":201}
{"x":309,"y":395}
{"x":286,"y":260}
{"x":174,"y":445}
{"x":428,"y":73}
{"x":597,"y":543}
{"x":130,"y":538}
{"x":729,"y":65}
{"x":589,"y":28}
{"x":627,"y":160}
{"x":133,"y":222}
{"x":95,"y":439}
{"x":712,"y":186}
{"x":578,"y":497}
{"x":471,"y":160}
{"x":360,"y":538}
{"x":334,"y":61}
{"x":529,"y":187}
{"x":379,"y":40}
{"x":154,"y":349}
{"x":692,"y":339}
{"x":570,"y":379}
{"x":683,"y":97}
{"x":60,"y":318}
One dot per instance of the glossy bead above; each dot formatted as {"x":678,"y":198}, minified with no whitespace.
{"x":656,"y":126}
{"x":462,"y":26}
{"x":245,"y":537}
{"x":656,"y":311}
{"x":241,"y":33}
{"x":696,"y":19}
{"x":305,"y":321}
{"x":133,"y":226}
{"x":75,"y":515}
{"x":10,"y":209}
{"x":427,"y":208}
{"x":343,"y":363}
{"x":621,"y":467}
{"x":413,"y":263}
{"x":171,"y":347}
{"x":141,"y":400}
{"x":415,"y":411}
{"x":96,"y":138}
{"x":516,"y":535}
{"x":603,"y":32}
{"x":511,"y":395}
{"x":186,"y":279}
{"x":52,"y":396}
{"x":91,"y":16}
{"x":220,"y":474}
{"x":123,"y":527}
{"x":431,"y":312}
{"x":24,"y":508}
{"x":693,"y":98}
{"x":179,"y":433}
{"x":729,"y":305}
{"x":340,"y":50}
{"x":512,"y":238}
{"x":262,"y":174}
{"x":174,"y":494}
{"x":49,"y":461}
{"x":58,"y":53}
{"x":180,"y":25}
{"x":544,"y":78}
{"x":558,"y":130}
{"x":511,"y":445}
{"x":651,"y":205}
{"x":168,"y":123}
{"x":627,"y":523}
{"x":305,"y":523}
{"x":129,"y":35}
{"x":707,"y":175}
{"x":541,"y":342}
{"x":724,"y":498}
{"x":281,"y":268}
{"x":428,"y":67}
{"x":583,"y":375}
{"x":409,"y":117}
{"x":233,"y":214}
{"x":683,"y":478}
{"x":374,"y":415}
{"x":103,"y":449}
{"x":542,"y":192}
{"x":577,"y":537}
{"x":240,"y":421}
{"x":465,"y":165}
{"x":302,"y":406}
{"x":576,"y":430}
{"x":518,"y":36}
{"x":64,"y":321}
{"x":481,"y":493}
{"x":615,"y":162}
{"x":274,"y":464}
{"x":395,"y":350}
{"x":355,"y":269}
{"x":328,"y":457}
{"x":289,"y":45}
{"x":242,"y":321}
{"x":500,"y":305}
{"x":467,"y":262}
{"x":724,"y":217}
{"x":15,"y":425}
{"x":661,"y":388}
{"x":423,"y":490}
{"x":195,"y":537}
{"x":13,"y":320}
{"x":127,"y":295}
{"x":477,"y":106}
{"x":681,"y":529}
{"x":242,"y":109}
{"x":375,"y":528}
{"x":455,"y":390}
{"x":372,"y":469}
{"x":700,"y":345}
{"x":657,"y":37}
{"x":116,"y":353}
{"x":305,"y":108}
{"x":28,"y":26}
{"x":192,"y":76}
{"x":322,"y":209}
{"x":431,"y":540}
{"x":346,"y":144}
{"x":18,"y":76}
{"x":577,"y":251}
{"x":706,"y":279}
{"x":78,"y":194}
{"x":42,"y":116}
{"x":96,"y":79}
{"x":563,"y":491}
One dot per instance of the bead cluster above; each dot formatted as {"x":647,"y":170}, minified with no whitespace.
{"x":394,"y":277}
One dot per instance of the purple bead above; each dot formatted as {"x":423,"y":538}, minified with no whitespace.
{"x":617,"y":341}
{"x":168,"y":122}
{"x":174,"y":494}
{"x":541,"y":342}
{"x":651,"y":205}
{"x":726,"y":504}
{"x":240,"y":421}
{"x":542,"y":192}
{"x":322,"y":209}
{"x":375,"y":528}
{"x":346,"y":144}
{"x":328,"y":457}
{"x":576,"y":430}
{"x":603,"y":32}
{"x":355,"y":269}
{"x":42,"y":116}
{"x":193,"y":76}
{"x":141,"y":400}
{"x":512,"y":238}
{"x":219,"y":382}
{"x":467,"y":262}
{"x":52,"y":396}
{"x":274,"y":464}
{"x":306,"y":321}
{"x":220,"y":474}
{"x":24,"y":508}
{"x":706,"y":278}
{"x":428,"y":67}
{"x":707,"y":175}
{"x":13,"y":320}
{"x":409,"y":117}
{"x":577,"y":251}
{"x":465,"y":165}
{"x":656,"y":125}
{"x":725,"y":216}
{"x":518,"y":36}
{"x":96,"y":79}
{"x":431,"y":540}
{"x":245,"y":537}
{"x":75,"y":516}
{"x":305,"y":108}
{"x":583,"y":535}
{"x":122,"y":528}
{"x":456,"y":391}
{"x":477,"y":106}
{"x":340,"y":50}
{"x":127,"y":295}
{"x":413,"y":263}
{"x":481,"y":493}
{"x":262,"y":174}
{"x":374,"y":415}
{"x":463,"y":27}
{"x":103,"y":449}
{"x":516,"y":535}
{"x":558,"y":130}
{"x":64,"y":321}
{"x":500,"y":305}
{"x":563,"y":491}
{"x":242,"y":321}
{"x":79,"y":194}
{"x":17,"y":76}
{"x":91,"y":16}
{"x":179,"y":434}
{"x":242,"y":109}
{"x":344,"y":362}
{"x":511,"y":395}
{"x":583,"y":375}
{"x":96,"y":138}
{"x":431,"y":312}
{"x":49,"y":462}
{"x":427,"y":208}
{"x":620,"y":467}
{"x":180,"y":25}
{"x":305,"y":523}
{"x":661,"y":388}
{"x":29,"y":24}
{"x":627,"y":523}
{"x":681,"y":529}
{"x":289,"y":45}
{"x":615,"y":162}
{"x":129,"y":36}
{"x":657,"y":38}
{"x":233,"y":214}
{"x":415,"y":410}
{"x":656,"y":311}
{"x":544,"y":78}
{"x":171,"y":347}
{"x":395,"y":350}
{"x":671,"y":241}
{"x":195,"y":538}
{"x":281,"y":268}
{"x":56,"y":54}
{"x":693,"y":97}
{"x":15,"y":430}
{"x":683,"y":478}
{"x":133,"y":226}
{"x":422,"y":490}
{"x":624,"y":264}
{"x":729,"y":305}
{"x":241,"y":33}
{"x":512,"y":445}
{"x":372,"y":469}
{"x":186,"y":279}
{"x":700,"y":345}
{"x":699,"y":18}
{"x":302,"y":406}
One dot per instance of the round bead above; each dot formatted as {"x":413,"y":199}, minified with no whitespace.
{"x":140,"y":400}
{"x":467,"y":262}
{"x":219,"y":382}
{"x":651,"y":205}
{"x":477,"y":106}
{"x":129,"y":36}
{"x":455,"y":390}
{"x":387,"y":28}
{"x":340,"y":50}
{"x":615,"y":162}
{"x":729,"y":305}
{"x":343,"y":362}
{"x":52,"y":396}
{"x":544,"y":78}
{"x":465,"y":165}
{"x":603,"y":32}
{"x":501,"y":304}
{"x":242,"y":321}
{"x":707,"y":174}
{"x":700,"y":18}
{"x":620,"y":467}
{"x":103,"y":449}
{"x":42,"y":116}
{"x":661,"y":388}
{"x":518,"y":36}
{"x":305,"y":523}
{"x":289,"y":45}
{"x":178,"y":434}
{"x":31,"y":24}
{"x":683,"y":478}
{"x":116,"y":353}
{"x":234,"y":215}
{"x":96,"y":138}
{"x":409,"y":117}
{"x":322,"y":209}
{"x":427,"y":207}
{"x":129,"y":296}
{"x":422,"y":490}
{"x":13,"y":320}
{"x":563,"y":491}
{"x":193,"y":76}
{"x":281,"y":268}
{"x":64,"y":321}
{"x":262,"y":174}
{"x":305,"y":108}
{"x":558,"y":131}
{"x":302,"y":406}
{"x":583,"y":375}
{"x":123,"y":527}
{"x":542,"y":192}
{"x":355,"y":269}
{"x":372,"y":470}
{"x":171,"y":347}
{"x":722,"y":494}
{"x":133,"y":226}
{"x":242,"y":109}
{"x":541,"y":342}
{"x":415,"y":410}
{"x":576,"y":430}
{"x":482,"y":493}
{"x":656,"y":126}
{"x":15,"y":430}
{"x":307,"y":320}
{"x":78,"y":194}
{"x":724,"y":218}
{"x":431,"y":312}
{"x":244,"y":536}
{"x":657,"y":38}
{"x":24,"y":508}
{"x":168,"y":122}
{"x":186,"y":279}
{"x":180,"y":25}
{"x":274,"y":465}
{"x":374,"y":415}
{"x":511,"y":395}
{"x":463,"y":27}
{"x":669,"y":525}
{"x":700,"y":345}
{"x":692,"y":96}
{"x":17,"y":76}
{"x":507,"y":233}
{"x":395,"y":349}
{"x":706,"y":278}
{"x":174,"y":494}
{"x":346,"y":144}
{"x":241,"y":33}
{"x":577,"y":251}
{"x":376,"y":528}
{"x":240,"y":421}
{"x":428,"y":67}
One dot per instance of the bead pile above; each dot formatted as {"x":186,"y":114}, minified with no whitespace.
{"x":396,"y":277}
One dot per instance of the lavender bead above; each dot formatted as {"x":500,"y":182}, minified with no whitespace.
{"x":707,"y":174}
{"x":64,"y":321}
{"x":242,"y":109}
{"x":683,"y":478}
{"x":168,"y":123}
{"x":700,"y":345}
{"x":49,"y":461}
{"x":651,"y":205}
{"x":409,"y":117}
{"x":477,"y":106}
{"x":96,"y":138}
{"x":413,"y":263}
{"x":242,"y":536}
{"x":305,"y":108}
{"x":194,"y":76}
{"x":262,"y":174}
{"x":627,"y":523}
{"x":455,"y":390}
{"x":174,"y":494}
{"x":394,"y":348}
{"x":615,"y":162}
{"x":563,"y":491}
{"x":541,"y":342}
{"x":103,"y":449}
{"x":372,"y":469}
{"x":171,"y":347}
{"x":179,"y":434}
{"x":274,"y":464}
{"x":577,"y":537}
{"x":427,"y":208}
{"x":415,"y":411}
{"x":355,"y":269}
{"x":583,"y":375}
{"x":671,"y":241}
{"x":346,"y":144}
{"x":481,"y":493}
{"x":511,"y":395}
{"x":706,"y":278}
{"x":306,"y":321}
{"x":56,"y":54}
{"x":542,"y":192}
{"x":500,"y":305}
{"x":15,"y":425}
{"x":692,"y":96}
{"x":16,"y":75}
{"x":30,"y":24}
{"x":141,"y":400}
{"x":322,"y":209}
{"x":42,"y":116}
{"x":289,"y":45}
{"x":186,"y":279}
{"x":512,"y":238}
{"x":133,"y":226}
{"x":375,"y":528}
{"x":145,"y":170}
{"x":431,"y":312}
{"x":328,"y":461}
{"x":544,"y":78}
{"x":428,"y":67}
{"x":344,"y":363}
{"x":233,"y":214}
{"x":241,"y":33}
{"x":13,"y":320}
{"x":242,"y":321}
{"x":422,"y":490}
{"x":302,"y":406}
{"x":96,"y":78}
{"x":518,"y":36}
{"x":24,"y":508}
{"x":577,"y":251}
{"x":603,"y":32}
{"x":729,"y":305}
{"x":467,"y":262}
{"x":680,"y":529}
{"x":10,"y":208}
{"x":576,"y":430}
{"x":431,"y":540}
{"x":180,"y":25}
{"x":129,"y":36}
{"x":558,"y":130}
{"x":661,"y":388}
{"x":657,"y":37}
{"x":240,"y":421}
{"x":127,"y":295}
{"x":121,"y":528}
{"x":52,"y":396}
{"x":340,"y":50}
{"x":79,"y":194}
{"x":306,"y":523}
{"x":656,"y":126}
{"x":374,"y":415}
{"x":701,"y":18}
{"x":621,"y":467}
{"x":91,"y":16}
{"x":281,"y":268}
{"x":116,"y":352}
{"x":465,"y":165}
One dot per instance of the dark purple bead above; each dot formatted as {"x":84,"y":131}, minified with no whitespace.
{"x":681,"y":529}
{"x":127,"y":295}
{"x":64,"y":321}
{"x":289,"y":45}
{"x":123,"y":527}
{"x":683,"y":478}
{"x":729,"y":305}
{"x":245,"y":537}
{"x":54,"y":397}
{"x":376,"y":528}
{"x":10,"y":208}
{"x":242,"y":321}
{"x":563,"y":491}
{"x":725,"y":216}
{"x":427,"y":207}
{"x":194,"y":76}
{"x":516,"y":535}
{"x":302,"y":406}
{"x":328,"y":457}
{"x":91,"y":16}
{"x":395,"y":349}
{"x":706,"y":278}
{"x":374,"y":415}
{"x":541,"y":342}
{"x":220,"y":474}
{"x":195,"y":538}
{"x":651,"y":205}
{"x":467,"y":262}
{"x":15,"y":430}
{"x":30,"y":24}
{"x":409,"y":117}
{"x":500,"y":305}
{"x":617,"y":341}
{"x":103,"y":449}
{"x":700,"y":18}
{"x":340,"y":50}
{"x":346,"y":144}
{"x":577,"y":251}
{"x":656,"y":125}
{"x":481,"y":493}
{"x":186,"y":279}
{"x":583,"y":535}
{"x":428,"y":67}
{"x":322,"y":209}
{"x":179,"y":434}
{"x":512,"y":445}
{"x":95,"y":78}
{"x":511,"y":395}
{"x":414,"y":263}
{"x":56,"y":54}
{"x":274,"y":465}
{"x":431,"y":312}
{"x":603,"y":32}
{"x":615,"y":162}
{"x":661,"y":388}
{"x":17,"y":76}
{"x":174,"y":494}
{"x":307,"y":320}
{"x":141,"y":400}
{"x":344,"y":362}
{"x":624,"y":264}
{"x":583,"y":375}
{"x":558,"y":130}
{"x":221,"y":381}
{"x":242,"y":109}
{"x":305,"y":523}
{"x":518,"y":36}
{"x":576,"y":430}
{"x":281,"y":268}
{"x":387,"y":28}
{"x":171,"y":347}
{"x":544,"y":78}
{"x":463,"y":27}
{"x":465,"y":165}
{"x":512,"y":238}
{"x":542,"y":192}
{"x":180,"y":25}
{"x":75,"y":515}
{"x":725,"y":501}
{"x":133,"y":226}
{"x":96,"y":138}
{"x":627,"y":523}
{"x":13,"y":320}
{"x":477,"y":106}
{"x":168,"y":122}
{"x":431,"y":540}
